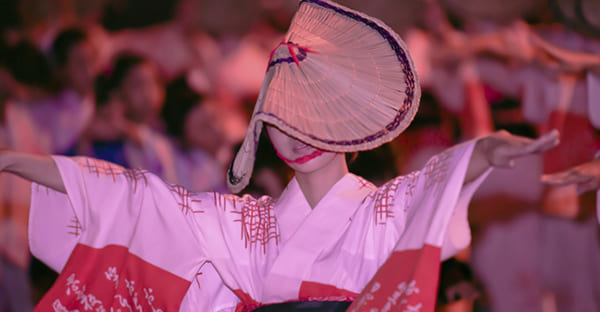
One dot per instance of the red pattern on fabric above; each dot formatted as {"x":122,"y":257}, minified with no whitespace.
{"x":364,"y":183}
{"x":197,"y":278}
{"x":75,"y":227}
{"x":185,"y":199}
{"x":101,"y":167}
{"x":410,"y":189}
{"x":258,"y":222}
{"x":384,"y":200}
{"x":222,"y":200}
{"x":312,"y":291}
{"x":135,"y":176}
{"x":112,"y":279}
{"x":38,"y":188}
{"x":104,"y":168}
{"x":407,"y":281}
{"x":248,"y":303}
{"x":436,"y":171}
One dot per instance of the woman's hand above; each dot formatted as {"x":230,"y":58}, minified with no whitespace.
{"x":586,"y":176}
{"x":501,"y":148}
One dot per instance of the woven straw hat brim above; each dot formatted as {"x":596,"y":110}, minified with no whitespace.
{"x":341,"y":81}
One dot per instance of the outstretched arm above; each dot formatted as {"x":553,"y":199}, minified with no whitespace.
{"x":586,"y":176}
{"x":501,"y":148}
{"x":35,"y":168}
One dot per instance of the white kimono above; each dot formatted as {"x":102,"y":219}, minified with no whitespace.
{"x":124,"y":239}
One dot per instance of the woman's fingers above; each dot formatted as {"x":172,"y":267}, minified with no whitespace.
{"x":586,"y":176}
{"x":514,"y":147}
{"x":590,"y":185}
{"x":571,"y":176}
{"x":539,"y":145}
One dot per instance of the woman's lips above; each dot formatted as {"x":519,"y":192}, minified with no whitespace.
{"x":308,"y":157}
{"x":301,"y":148}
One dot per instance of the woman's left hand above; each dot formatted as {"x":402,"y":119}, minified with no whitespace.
{"x":501,"y":148}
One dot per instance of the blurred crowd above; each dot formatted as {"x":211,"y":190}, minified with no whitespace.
{"x":171,"y":90}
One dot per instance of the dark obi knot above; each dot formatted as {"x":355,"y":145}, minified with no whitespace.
{"x":306,"y":306}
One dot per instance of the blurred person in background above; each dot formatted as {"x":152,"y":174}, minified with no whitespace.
{"x":506,"y":224}
{"x":66,"y":115}
{"x":105,"y":136}
{"x":433,"y":130}
{"x":457,"y":288}
{"x":202,"y":151}
{"x":530,"y":257}
{"x":128,"y":129}
{"x":178,"y":47}
{"x":24,"y":77}
{"x":585,"y":177}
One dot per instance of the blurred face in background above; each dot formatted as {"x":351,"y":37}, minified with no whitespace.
{"x":6,"y":85}
{"x":203,"y":128}
{"x":142,"y":93}
{"x":188,"y":14}
{"x":80,"y":68}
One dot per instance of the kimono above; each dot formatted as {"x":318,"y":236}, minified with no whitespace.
{"x":126,"y":240}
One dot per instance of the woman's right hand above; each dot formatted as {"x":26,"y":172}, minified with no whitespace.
{"x":586,"y":176}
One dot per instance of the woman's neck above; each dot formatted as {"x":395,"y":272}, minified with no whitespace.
{"x":316,"y":184}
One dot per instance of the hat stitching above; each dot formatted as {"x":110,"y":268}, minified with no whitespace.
{"x":296,"y":58}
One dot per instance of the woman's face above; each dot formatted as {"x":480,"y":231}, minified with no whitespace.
{"x":143,"y":94}
{"x":298,"y":155}
{"x":203,"y":128}
{"x":81,"y":67}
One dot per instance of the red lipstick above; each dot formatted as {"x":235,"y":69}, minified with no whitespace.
{"x":303,"y":159}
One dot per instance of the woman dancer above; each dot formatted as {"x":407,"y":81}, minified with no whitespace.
{"x":339,"y":82}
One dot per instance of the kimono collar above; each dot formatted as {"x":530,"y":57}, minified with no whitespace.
{"x":306,"y":232}
{"x":292,"y":208}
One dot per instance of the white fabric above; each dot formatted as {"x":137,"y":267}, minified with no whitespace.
{"x":265,"y":249}
{"x":154,"y":153}
{"x":533,"y":256}
{"x":198,"y":171}
{"x":593,"y":94}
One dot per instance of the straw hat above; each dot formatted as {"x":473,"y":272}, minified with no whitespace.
{"x":340,"y":81}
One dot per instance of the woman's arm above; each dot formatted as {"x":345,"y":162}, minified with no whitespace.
{"x":586,"y":176}
{"x":35,"y":168}
{"x":501,"y":148}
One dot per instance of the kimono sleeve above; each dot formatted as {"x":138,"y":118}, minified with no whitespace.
{"x":116,"y":236}
{"x":434,"y":211}
{"x":431,"y":224}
